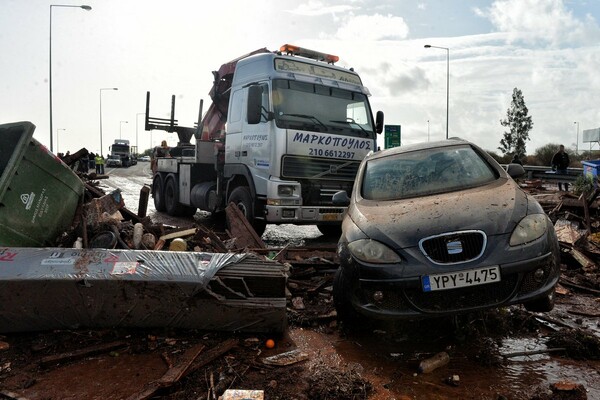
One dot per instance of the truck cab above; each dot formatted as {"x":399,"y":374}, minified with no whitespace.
{"x":121,"y":149}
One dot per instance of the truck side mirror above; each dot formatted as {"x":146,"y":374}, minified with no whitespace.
{"x":254,"y":109}
{"x":379,"y":122}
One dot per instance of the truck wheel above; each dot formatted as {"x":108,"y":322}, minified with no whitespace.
{"x":172,"y":204}
{"x":158,"y":193}
{"x":242,"y":198}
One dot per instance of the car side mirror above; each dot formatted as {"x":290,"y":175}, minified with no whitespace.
{"x":379,"y":122}
{"x":515,"y":170}
{"x":341,"y":199}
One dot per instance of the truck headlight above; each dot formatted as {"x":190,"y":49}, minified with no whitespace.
{"x":528,"y":229}
{"x":372,"y":251}
{"x":285,"y":190}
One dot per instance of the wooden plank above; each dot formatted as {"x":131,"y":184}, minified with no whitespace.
{"x":178,"y":371}
{"x":172,"y":376}
{"x":5,"y":394}
{"x":586,"y":213}
{"x":79,"y":354}
{"x":241,"y":229}
{"x":191,"y":362}
{"x":587,"y":264}
{"x":572,"y":285}
{"x":567,"y":233}
{"x":179,"y":234}
{"x":215,"y":241}
{"x":143,"y":202}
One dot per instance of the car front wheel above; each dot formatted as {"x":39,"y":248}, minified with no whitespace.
{"x":543,"y":304}
{"x":342,"y":292}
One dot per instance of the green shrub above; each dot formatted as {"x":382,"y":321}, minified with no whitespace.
{"x":583,"y":184}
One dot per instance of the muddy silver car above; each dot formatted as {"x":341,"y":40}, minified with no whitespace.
{"x":441,"y":228}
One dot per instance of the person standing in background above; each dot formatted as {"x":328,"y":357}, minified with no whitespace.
{"x":92,"y":158}
{"x":560,"y":163}
{"x":97,"y":162}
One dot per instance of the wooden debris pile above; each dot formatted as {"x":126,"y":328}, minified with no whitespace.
{"x":577,"y":224}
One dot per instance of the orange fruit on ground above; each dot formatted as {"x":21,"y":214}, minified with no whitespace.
{"x":270,"y":343}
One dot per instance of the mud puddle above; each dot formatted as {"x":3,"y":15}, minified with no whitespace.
{"x":388,"y":357}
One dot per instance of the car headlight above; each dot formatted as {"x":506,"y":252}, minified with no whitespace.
{"x":373,"y":252}
{"x":529,"y":228}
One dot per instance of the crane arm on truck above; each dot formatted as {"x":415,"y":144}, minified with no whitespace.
{"x":213,"y":124}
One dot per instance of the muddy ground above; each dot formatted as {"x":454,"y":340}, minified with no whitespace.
{"x":377,"y":361}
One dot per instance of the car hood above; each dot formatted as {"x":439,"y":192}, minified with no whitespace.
{"x":495,"y":208}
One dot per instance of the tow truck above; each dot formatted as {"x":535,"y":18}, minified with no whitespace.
{"x":285,"y":131}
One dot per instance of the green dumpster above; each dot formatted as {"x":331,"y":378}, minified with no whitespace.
{"x":39,"y":194}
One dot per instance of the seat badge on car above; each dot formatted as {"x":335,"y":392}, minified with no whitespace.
{"x":454,"y":247}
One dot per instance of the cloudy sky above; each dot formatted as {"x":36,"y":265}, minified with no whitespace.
{"x":550,"y":49}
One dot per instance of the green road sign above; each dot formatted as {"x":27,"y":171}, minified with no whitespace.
{"x":393,"y":136}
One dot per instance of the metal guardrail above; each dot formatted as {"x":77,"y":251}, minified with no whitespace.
{"x":546,"y":173}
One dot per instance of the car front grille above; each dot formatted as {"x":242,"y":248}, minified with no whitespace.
{"x":454,"y":247}
{"x":454,"y":300}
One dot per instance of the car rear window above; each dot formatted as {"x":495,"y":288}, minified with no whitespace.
{"x":425,"y":172}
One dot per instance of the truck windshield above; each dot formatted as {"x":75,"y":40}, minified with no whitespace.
{"x":308,"y":106}
{"x":119,"y":148}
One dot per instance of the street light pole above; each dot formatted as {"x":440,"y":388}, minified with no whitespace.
{"x":121,"y":126}
{"x":577,"y":144}
{"x":427,"y":46}
{"x":57,"y":148}
{"x":428,"y":130}
{"x":101,"y":150}
{"x":87,"y":8}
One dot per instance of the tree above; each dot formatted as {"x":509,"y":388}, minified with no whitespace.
{"x":519,"y":124}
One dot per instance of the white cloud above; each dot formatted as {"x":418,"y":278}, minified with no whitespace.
{"x":315,"y":8}
{"x":372,"y":27}
{"x":546,"y":21}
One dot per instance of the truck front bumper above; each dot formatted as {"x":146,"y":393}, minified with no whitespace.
{"x":304,"y":214}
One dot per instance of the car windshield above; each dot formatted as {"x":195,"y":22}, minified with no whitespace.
{"x":308,"y":106}
{"x":425,"y":172}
